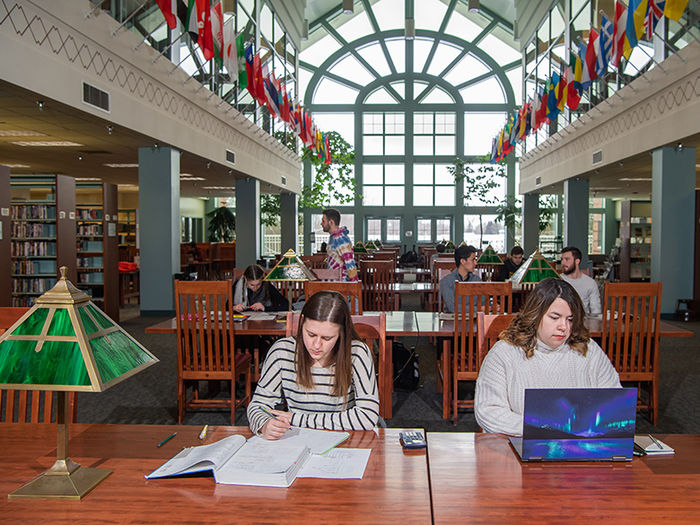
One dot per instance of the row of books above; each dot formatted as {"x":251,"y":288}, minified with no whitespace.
{"x":91,"y":277}
{"x":33,"y":211}
{"x":88,"y":214}
{"x":90,"y":229}
{"x":33,"y":248}
{"x":30,"y":267}
{"x":33,"y":229}
{"x":33,"y":285}
{"x":90,"y":262}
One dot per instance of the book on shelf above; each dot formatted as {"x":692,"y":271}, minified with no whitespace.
{"x":651,"y":445}
{"x":301,"y":452}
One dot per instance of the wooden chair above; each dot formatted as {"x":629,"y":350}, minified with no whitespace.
{"x":378,"y":279}
{"x":223,"y":258}
{"x":490,"y":298}
{"x":328,"y":274}
{"x":631,"y":337}
{"x":385,"y":256}
{"x":33,"y":406}
{"x":371,"y":329}
{"x":441,"y":267}
{"x":351,"y":290}
{"x":315,"y":261}
{"x":487,"y":329}
{"x":205,"y":347}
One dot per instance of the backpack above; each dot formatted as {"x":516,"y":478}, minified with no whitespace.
{"x":406,"y":373}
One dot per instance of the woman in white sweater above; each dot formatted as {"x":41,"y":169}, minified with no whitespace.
{"x":546,"y":346}
{"x":325,"y":375}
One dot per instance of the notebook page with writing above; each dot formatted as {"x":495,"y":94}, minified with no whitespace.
{"x":200,"y":458}
{"x":318,"y":441}
{"x":339,"y":463}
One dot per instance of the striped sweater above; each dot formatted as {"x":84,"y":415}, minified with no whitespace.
{"x":316,"y":408}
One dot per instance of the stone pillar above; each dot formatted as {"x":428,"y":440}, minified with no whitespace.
{"x":289,"y":222}
{"x":247,"y":222}
{"x":576,"y":217}
{"x":531,"y":223}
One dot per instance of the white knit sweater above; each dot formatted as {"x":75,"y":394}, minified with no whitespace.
{"x":506,"y":373}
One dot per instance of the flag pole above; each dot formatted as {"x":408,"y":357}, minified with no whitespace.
{"x":165,"y":50}
{"x":94,"y":8}
{"x":641,"y":75}
{"x":670,"y":47}
{"x":132,"y":15}
{"x":652,"y":58}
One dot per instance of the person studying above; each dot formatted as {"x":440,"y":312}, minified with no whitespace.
{"x":250,"y":292}
{"x":546,"y":346}
{"x":325,"y":374}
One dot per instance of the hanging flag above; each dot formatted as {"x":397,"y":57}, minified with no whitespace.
{"x":591,"y":56}
{"x":508,"y":146}
{"x":674,"y":9}
{"x":544,"y":107}
{"x":230,"y":55}
{"x":270,"y":96}
{"x":533,"y":114}
{"x":494,"y":150}
{"x":525,"y":121}
{"x":655,"y":10}
{"x":241,"y":62}
{"x":187,"y":13}
{"x":286,"y":113}
{"x":217,"y":31}
{"x":250,"y":71}
{"x":205,"y":40}
{"x":635,"y":22}
{"x":515,"y":128}
{"x":573,"y":95}
{"x":619,"y":33}
{"x":328,"y":150}
{"x":259,"y":83}
{"x":169,"y":10}
{"x":605,"y":41}
{"x":552,"y":102}
{"x":562,"y":89}
{"x":277,"y":88}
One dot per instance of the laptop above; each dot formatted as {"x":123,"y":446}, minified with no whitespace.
{"x":577,"y":424}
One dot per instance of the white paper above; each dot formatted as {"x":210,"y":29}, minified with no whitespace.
{"x":339,"y":463}
{"x":261,"y":316}
{"x":200,"y":458}
{"x":318,"y":441}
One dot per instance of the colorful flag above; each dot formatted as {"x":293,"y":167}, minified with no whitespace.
{"x":270,"y":95}
{"x":655,"y":10}
{"x":328,"y":150}
{"x":635,"y":22}
{"x":205,"y":40}
{"x":552,"y":102}
{"x":605,"y":41}
{"x":591,"y":56}
{"x":533,"y":113}
{"x":494,"y":150}
{"x":230,"y":55}
{"x":250,"y":71}
{"x":562,"y":89}
{"x":259,"y":83}
{"x":544,"y":107}
{"x":674,"y":9}
{"x":187,"y":13}
{"x":241,"y":62}
{"x":619,"y":33}
{"x":573,"y":95}
{"x":169,"y":10}
{"x":217,"y":31}
{"x":286,"y":113}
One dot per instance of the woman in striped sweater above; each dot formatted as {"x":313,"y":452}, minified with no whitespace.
{"x":325,"y":375}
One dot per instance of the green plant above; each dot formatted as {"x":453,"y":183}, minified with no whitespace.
{"x":548,"y":208}
{"x":222,"y":224}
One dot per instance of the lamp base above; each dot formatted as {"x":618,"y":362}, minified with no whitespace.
{"x":64,"y":480}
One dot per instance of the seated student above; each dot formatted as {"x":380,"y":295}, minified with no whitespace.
{"x":546,"y":346}
{"x":251,"y":292}
{"x":465,"y":260}
{"x":439,"y":250}
{"x":586,"y":287}
{"x":511,"y":264}
{"x":325,"y":375}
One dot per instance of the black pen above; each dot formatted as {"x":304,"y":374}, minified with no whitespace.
{"x":655,"y":441}
{"x":171,"y":436}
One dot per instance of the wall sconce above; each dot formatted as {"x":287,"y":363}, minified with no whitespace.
{"x":348,"y":6}
{"x":410,"y":29}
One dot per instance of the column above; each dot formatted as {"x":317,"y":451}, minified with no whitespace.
{"x":611,"y":227}
{"x":159,"y":227}
{"x":289,"y":222}
{"x":672,"y":219}
{"x":576,"y":217}
{"x":247,"y":222}
{"x":531,"y":223}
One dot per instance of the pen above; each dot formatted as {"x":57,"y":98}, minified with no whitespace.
{"x":203,"y":433}
{"x":171,"y":436}
{"x":269,"y":413}
{"x":655,"y":441}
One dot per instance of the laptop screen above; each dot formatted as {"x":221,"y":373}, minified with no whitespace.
{"x":579,"y":423}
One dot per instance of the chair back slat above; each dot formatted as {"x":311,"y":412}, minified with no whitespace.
{"x":631,"y":317}
{"x":33,"y":406}
{"x":440,"y":268}
{"x":378,"y":279}
{"x":488,"y":328}
{"x":351,"y":290}
{"x":315,"y":261}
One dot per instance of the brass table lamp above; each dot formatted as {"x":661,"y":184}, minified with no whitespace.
{"x":290,"y":269}
{"x":65,"y":343}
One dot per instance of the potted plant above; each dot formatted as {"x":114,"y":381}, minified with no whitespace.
{"x":222,"y":224}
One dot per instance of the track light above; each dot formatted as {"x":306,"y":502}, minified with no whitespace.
{"x":110,"y":129}
{"x":305,"y":30}
{"x":208,"y":164}
{"x":410,"y":29}
{"x":40,"y":104}
{"x":473,"y":6}
{"x":348,"y":6}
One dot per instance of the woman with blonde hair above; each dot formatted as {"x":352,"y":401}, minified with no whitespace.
{"x":325,"y":375}
{"x":546,"y":346}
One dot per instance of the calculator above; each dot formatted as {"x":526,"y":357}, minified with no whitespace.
{"x":412,"y":440}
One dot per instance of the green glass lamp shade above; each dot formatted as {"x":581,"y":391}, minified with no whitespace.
{"x":378,"y":244}
{"x":489,"y":257}
{"x":450,"y":246}
{"x":370,"y":246}
{"x":359,"y":247}
{"x":290,"y":268}
{"x":534,"y":270}
{"x":64,"y":342}
{"x":463,"y":243}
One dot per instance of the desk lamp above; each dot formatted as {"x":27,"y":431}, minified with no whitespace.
{"x":450,"y":247}
{"x":65,"y":343}
{"x":359,"y":248}
{"x":534,"y":270}
{"x":370,"y":246}
{"x":490,"y":260}
{"x":289,"y":269}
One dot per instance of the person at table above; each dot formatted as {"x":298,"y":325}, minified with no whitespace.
{"x":586,"y":287}
{"x":465,"y":262}
{"x":325,"y":375}
{"x":340,"y":253}
{"x":546,"y":346}
{"x":250,"y":292}
{"x":439,"y":250}
{"x":511,"y":264}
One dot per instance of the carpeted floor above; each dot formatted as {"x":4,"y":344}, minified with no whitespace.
{"x":150,"y":397}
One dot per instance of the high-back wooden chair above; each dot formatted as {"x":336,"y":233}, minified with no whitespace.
{"x":441,"y":267}
{"x":328,"y":274}
{"x":205,"y":347}
{"x":317,"y":260}
{"x":385,"y":255}
{"x":488,"y":326}
{"x":352,"y":291}
{"x":631,"y":337}
{"x":470,"y":297}
{"x":33,"y":406}
{"x":378,"y":278}
{"x":372,"y":330}
{"x":428,"y":251}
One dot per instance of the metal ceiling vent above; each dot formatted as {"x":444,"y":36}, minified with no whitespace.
{"x":597,"y":157}
{"x":230,"y":157}
{"x":95,"y":97}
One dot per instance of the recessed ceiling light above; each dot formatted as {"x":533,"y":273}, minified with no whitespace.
{"x":228,"y":188}
{"x":635,"y":179}
{"x":112,"y":165}
{"x":20,"y":133}
{"x":88,"y":179}
{"x":46,"y":143}
{"x":605,"y":189}
{"x":14,"y":165}
{"x":191,"y":178}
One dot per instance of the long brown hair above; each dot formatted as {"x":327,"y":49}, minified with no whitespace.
{"x":332,"y":307}
{"x":522,"y":331}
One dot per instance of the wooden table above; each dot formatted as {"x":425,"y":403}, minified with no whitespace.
{"x":477,"y":477}
{"x":394,"y":488}
{"x":9,"y":316}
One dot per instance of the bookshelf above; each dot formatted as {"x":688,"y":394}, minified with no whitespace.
{"x":42,"y":234}
{"x":127,"y":231}
{"x":635,"y":243}
{"x":96,"y":242}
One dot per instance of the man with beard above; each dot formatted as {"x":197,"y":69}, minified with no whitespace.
{"x":340,"y":252}
{"x":586,"y":287}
